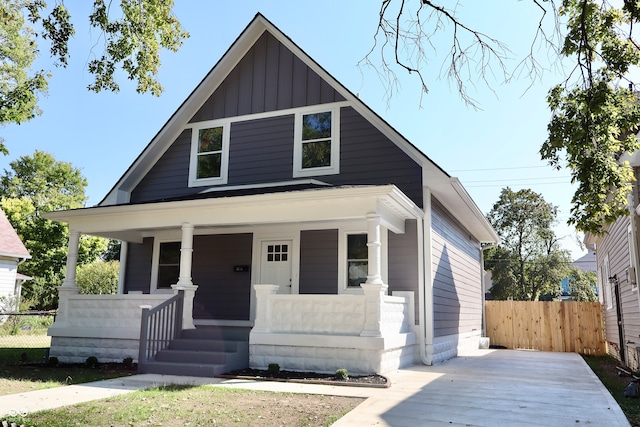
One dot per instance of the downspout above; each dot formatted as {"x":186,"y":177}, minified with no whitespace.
{"x":425,"y":290}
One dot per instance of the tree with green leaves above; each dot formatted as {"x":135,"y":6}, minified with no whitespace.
{"x":98,"y":277}
{"x":528,"y":261}
{"x":583,"y":285}
{"x":35,"y":185}
{"x":133,"y":36}
{"x":595,"y":110}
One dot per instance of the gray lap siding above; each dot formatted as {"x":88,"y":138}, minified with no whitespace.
{"x":138,"y":272}
{"x":319,"y":262}
{"x":403,"y":262}
{"x":456,"y":276}
{"x":262,"y":151}
{"x":223,"y":293}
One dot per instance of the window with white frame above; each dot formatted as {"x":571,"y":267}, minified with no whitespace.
{"x":168,"y":264}
{"x":357,"y":259}
{"x":209,"y":153}
{"x":316,"y":148}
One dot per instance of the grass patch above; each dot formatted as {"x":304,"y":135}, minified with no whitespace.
{"x":14,"y":355}
{"x":196,"y":406}
{"x":605,"y":368}
{"x":22,"y":378}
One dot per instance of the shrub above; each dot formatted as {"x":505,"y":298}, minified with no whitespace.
{"x":342,"y":374}
{"x":127,"y":362}
{"x":91,"y":362}
{"x":99,"y":277}
{"x":53,"y":361}
{"x":273,"y":369}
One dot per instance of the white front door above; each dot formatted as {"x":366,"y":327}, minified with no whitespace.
{"x":275,"y":265}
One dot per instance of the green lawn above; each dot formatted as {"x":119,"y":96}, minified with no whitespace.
{"x":198,"y":406}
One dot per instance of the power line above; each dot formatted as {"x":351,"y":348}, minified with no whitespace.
{"x":520,"y":179}
{"x":519,"y":184}
{"x":498,"y":169}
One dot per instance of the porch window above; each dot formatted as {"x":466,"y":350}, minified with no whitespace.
{"x":209,"y":154}
{"x":168,"y":264}
{"x":316,"y":148}
{"x":357,"y":259}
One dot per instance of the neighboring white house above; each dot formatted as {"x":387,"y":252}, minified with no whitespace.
{"x":12,"y":254}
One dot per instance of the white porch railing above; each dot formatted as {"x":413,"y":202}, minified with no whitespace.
{"x":365,"y":333}
{"x":330,"y":314}
{"x":104,"y":326}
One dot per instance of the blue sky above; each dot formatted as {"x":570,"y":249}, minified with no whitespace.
{"x":487,"y":149}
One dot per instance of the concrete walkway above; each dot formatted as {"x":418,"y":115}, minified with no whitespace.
{"x":485,"y":388}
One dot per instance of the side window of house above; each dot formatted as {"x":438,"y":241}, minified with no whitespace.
{"x":168,"y":264}
{"x":209,"y":154}
{"x":317,"y":146}
{"x":357,"y":259}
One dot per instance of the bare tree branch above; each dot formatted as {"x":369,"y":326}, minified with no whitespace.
{"x":473,"y":55}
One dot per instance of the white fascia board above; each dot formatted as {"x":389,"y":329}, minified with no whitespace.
{"x":130,"y":221}
{"x":454,"y":197}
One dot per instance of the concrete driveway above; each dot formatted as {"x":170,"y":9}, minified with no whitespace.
{"x":493,"y":388}
{"x":485,"y":388}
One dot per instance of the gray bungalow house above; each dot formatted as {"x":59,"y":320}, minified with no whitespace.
{"x":275,"y":218}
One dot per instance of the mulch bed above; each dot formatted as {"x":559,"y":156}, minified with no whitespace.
{"x":377,"y":381}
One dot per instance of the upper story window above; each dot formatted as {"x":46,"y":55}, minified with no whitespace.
{"x":316,"y":148}
{"x":209,"y":154}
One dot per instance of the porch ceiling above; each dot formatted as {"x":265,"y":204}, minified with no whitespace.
{"x":131,"y":222}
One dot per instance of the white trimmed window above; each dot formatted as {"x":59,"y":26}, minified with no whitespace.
{"x":209,"y":153}
{"x":353,"y":258}
{"x":357,"y":260}
{"x":165,"y":268}
{"x":316,"y":149}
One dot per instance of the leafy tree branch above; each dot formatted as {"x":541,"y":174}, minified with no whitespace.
{"x":134,"y":34}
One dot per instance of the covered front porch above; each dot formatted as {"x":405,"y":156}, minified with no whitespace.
{"x":359,"y":328}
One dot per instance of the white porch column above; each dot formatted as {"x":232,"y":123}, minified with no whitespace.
{"x":72,"y":260}
{"x":373,"y":294}
{"x":69,"y":286}
{"x":263,"y":313}
{"x":184,"y":279}
{"x":374,"y":274}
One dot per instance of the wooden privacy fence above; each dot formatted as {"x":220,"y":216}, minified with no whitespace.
{"x":574,"y":327}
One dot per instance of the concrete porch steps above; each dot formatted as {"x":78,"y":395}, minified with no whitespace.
{"x":205,"y":352}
